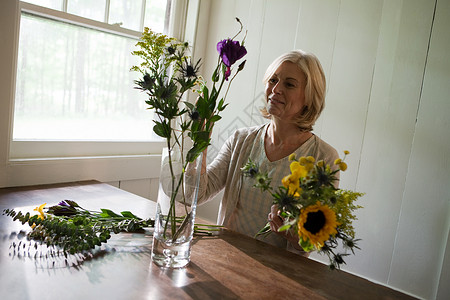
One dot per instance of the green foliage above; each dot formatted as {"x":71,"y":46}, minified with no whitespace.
{"x":344,"y":206}
{"x":73,"y":229}
{"x":262,"y":180}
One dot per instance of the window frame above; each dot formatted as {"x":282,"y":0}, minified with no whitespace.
{"x":25,"y":148}
{"x":48,"y":162}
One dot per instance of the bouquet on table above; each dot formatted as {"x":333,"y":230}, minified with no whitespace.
{"x":68,"y":228}
{"x":312,"y":207}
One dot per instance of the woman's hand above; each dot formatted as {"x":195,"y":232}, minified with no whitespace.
{"x":276,"y":221}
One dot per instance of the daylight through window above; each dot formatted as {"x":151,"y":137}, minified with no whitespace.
{"x":73,"y":81}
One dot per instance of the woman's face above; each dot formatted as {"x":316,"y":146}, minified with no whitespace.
{"x":285,"y":91}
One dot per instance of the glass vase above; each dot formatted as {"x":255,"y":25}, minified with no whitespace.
{"x":175,"y":209}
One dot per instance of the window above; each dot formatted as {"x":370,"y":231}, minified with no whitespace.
{"x":73,"y":81}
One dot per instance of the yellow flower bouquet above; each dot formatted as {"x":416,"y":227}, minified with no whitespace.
{"x":313,"y":207}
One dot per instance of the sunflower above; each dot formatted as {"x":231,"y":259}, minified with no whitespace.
{"x":316,"y":224}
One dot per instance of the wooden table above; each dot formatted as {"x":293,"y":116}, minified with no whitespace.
{"x":227,"y":266}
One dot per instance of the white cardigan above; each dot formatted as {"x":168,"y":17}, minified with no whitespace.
{"x":224,"y":171}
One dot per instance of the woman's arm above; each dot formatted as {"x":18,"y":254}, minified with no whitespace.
{"x":213,"y":176}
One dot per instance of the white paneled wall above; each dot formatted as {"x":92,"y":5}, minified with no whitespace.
{"x":388,"y":76}
{"x":422,"y":235}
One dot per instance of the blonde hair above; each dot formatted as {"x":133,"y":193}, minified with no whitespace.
{"x":314,"y":89}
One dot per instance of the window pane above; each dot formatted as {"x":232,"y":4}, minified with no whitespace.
{"x":74,"y":83}
{"x":91,"y":9}
{"x":126,"y":13}
{"x":155,"y":12}
{"x":53,"y":4}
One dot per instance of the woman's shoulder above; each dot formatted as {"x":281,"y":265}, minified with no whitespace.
{"x":244,"y":136}
{"x":324,"y":144}
{"x":245,"y":132}
{"x":324,"y":149}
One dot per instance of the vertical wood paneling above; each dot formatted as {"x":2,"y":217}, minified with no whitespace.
{"x":352,"y":55}
{"x":423,"y":225}
{"x":381,"y":149}
{"x":350,"y":80}
{"x":316,"y":33}
{"x":389,"y":132}
{"x":278,"y":32}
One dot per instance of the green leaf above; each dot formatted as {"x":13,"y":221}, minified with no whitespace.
{"x":72,"y":203}
{"x":201,"y":136}
{"x":161,"y":130}
{"x":192,"y":155}
{"x":128,"y":214}
{"x":264,"y":231}
{"x":185,"y":126}
{"x":108,"y":213}
{"x":284,"y":227}
{"x":221,"y":108}
{"x":205,"y":92}
{"x":215,"y":118}
{"x":202,"y":106}
{"x":189,"y":105}
{"x":241,"y":66}
{"x":195,"y":151}
{"x":220,"y":105}
{"x":196,"y":126}
{"x":306,"y":245}
{"x":215,"y":77}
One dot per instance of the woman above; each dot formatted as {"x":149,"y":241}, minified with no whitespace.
{"x":295,"y":94}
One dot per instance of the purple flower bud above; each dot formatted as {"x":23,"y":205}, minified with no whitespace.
{"x":230,"y":51}
{"x":63,"y":203}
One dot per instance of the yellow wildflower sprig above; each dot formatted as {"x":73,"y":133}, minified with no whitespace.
{"x":153,"y":47}
{"x":341,"y":163}
{"x":40,"y":209}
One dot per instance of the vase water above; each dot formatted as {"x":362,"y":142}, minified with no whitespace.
{"x":176,"y":209}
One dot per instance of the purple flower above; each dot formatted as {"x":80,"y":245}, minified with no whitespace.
{"x":64,"y":208}
{"x":230,"y":51}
